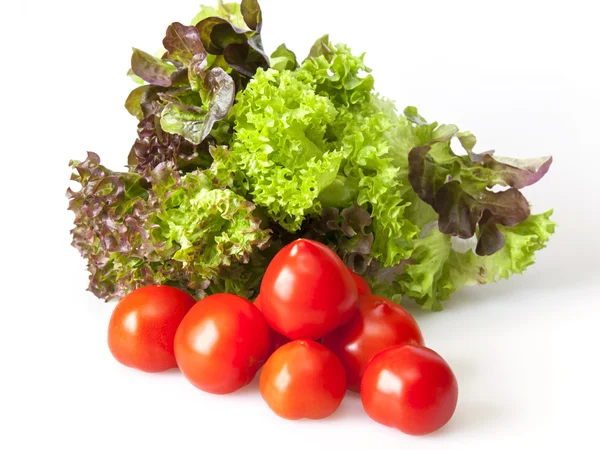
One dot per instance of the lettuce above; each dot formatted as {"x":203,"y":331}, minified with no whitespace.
{"x":281,"y":147}
{"x":436,"y":269}
{"x":178,"y":230}
{"x":238,"y":154}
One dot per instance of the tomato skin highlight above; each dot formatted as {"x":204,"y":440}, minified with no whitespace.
{"x":221,"y":343}
{"x":303,"y":379}
{"x":307,"y":291}
{"x":362,"y":286}
{"x":277,"y":340}
{"x":142,"y":327}
{"x":410,"y":388}
{"x":380,"y":323}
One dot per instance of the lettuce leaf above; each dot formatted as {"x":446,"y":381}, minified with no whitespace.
{"x":183,"y":231}
{"x":238,"y":154}
{"x":460,"y":188}
{"x":436,"y":269}
{"x":280,"y":145}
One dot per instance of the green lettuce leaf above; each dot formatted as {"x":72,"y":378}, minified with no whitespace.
{"x":343,"y":76}
{"x":280,"y":145}
{"x":283,"y":59}
{"x":435,"y":269}
{"x":231,"y":12}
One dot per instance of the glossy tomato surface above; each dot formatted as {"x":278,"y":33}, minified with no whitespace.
{"x":303,"y":379}
{"x":410,"y":388}
{"x":307,"y":291}
{"x":379,"y":324}
{"x":221,"y":343}
{"x":362,"y":286}
{"x":277,"y":340}
{"x":142,"y":327}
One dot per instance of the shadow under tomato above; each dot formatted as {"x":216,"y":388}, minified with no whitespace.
{"x":470,"y":416}
{"x":350,"y":408}
{"x":250,"y":390}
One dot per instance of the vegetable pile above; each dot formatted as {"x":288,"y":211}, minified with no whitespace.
{"x":315,"y":329}
{"x":238,"y":154}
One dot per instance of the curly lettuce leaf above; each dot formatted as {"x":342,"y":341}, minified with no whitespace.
{"x":435,"y":269}
{"x":347,"y":232}
{"x":342,"y":76}
{"x":179,"y":230}
{"x":280,"y":145}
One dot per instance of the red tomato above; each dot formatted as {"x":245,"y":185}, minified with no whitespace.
{"x":277,"y":340}
{"x":303,"y":379}
{"x":410,"y":388}
{"x":379,"y":324}
{"x":361,"y":285}
{"x":221,"y":343}
{"x":307,"y":291}
{"x":142,"y":327}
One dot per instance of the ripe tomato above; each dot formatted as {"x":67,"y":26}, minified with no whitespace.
{"x":410,"y":388}
{"x":142,"y":327}
{"x":307,"y":291}
{"x":303,"y":379}
{"x":277,"y":340}
{"x":221,"y":343}
{"x":361,"y":285}
{"x":379,"y":324}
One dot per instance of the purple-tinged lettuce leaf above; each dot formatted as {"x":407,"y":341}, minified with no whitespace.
{"x":155,"y":146}
{"x":459,"y":187}
{"x":252,"y":14}
{"x":197,"y":71}
{"x":217,"y":33}
{"x":195,"y":123}
{"x":347,"y":232}
{"x":133,"y":104}
{"x":242,"y":50}
{"x":183,"y":43}
{"x":152,"y":69}
{"x":245,"y":59}
{"x":174,"y":230}
{"x":460,"y":213}
{"x":221,"y":94}
{"x":190,"y":123}
{"x":513,"y":172}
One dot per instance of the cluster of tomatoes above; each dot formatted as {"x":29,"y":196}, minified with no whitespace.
{"x":315,"y":329}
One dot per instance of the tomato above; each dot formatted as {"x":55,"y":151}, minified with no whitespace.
{"x":307,"y":291}
{"x":303,"y":379}
{"x":142,"y":327}
{"x":221,"y":343}
{"x":361,"y":285}
{"x":379,"y":324}
{"x":410,"y":388}
{"x":277,"y":340}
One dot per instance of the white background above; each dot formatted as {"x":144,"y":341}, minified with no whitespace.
{"x":522,"y":75}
